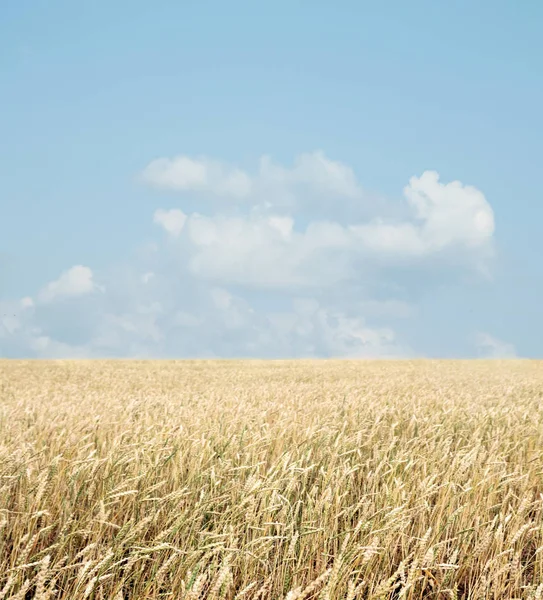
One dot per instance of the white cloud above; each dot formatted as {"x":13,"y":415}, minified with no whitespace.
{"x":283,"y":224}
{"x":281,"y":272}
{"x":263,"y":247}
{"x":183,"y":173}
{"x":171,"y":221}
{"x":490,"y":347}
{"x":206,"y":321}
{"x":271,"y":186}
{"x":313,"y":330}
{"x":266,"y":252}
{"x":234,"y":312}
{"x":76,"y":281}
{"x":388,"y":240}
{"x":313,"y":170}
{"x":451,"y":213}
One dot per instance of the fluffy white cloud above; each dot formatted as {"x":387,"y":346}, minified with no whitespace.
{"x":279,"y":271}
{"x":451,"y":213}
{"x":263,"y":247}
{"x":441,"y":214}
{"x":314,"y":330}
{"x":172,"y":220}
{"x":266,"y":252}
{"x":312,"y":176}
{"x":490,"y":347}
{"x":311,"y":170}
{"x":171,"y":316}
{"x":448,"y":216}
{"x":183,"y":173}
{"x":76,"y":281}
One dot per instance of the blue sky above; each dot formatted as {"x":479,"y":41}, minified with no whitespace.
{"x":139,"y":217}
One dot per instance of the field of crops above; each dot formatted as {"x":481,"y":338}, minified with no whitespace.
{"x":271,"y":480}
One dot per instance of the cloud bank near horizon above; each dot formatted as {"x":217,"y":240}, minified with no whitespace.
{"x":284,"y":261}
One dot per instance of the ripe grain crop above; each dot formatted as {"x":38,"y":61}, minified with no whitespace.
{"x":271,"y":480}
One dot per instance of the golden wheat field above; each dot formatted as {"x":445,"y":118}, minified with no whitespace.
{"x":271,"y":480}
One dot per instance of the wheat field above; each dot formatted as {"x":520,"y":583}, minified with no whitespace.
{"x":271,"y":480}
